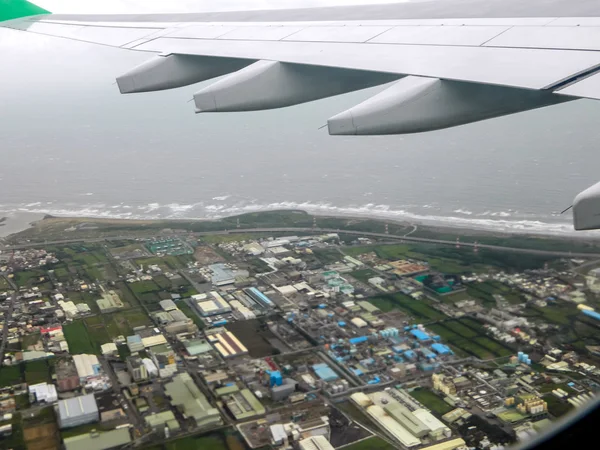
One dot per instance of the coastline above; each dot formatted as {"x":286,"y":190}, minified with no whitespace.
{"x":22,"y":221}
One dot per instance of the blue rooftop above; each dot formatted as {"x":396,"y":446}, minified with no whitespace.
{"x":441,"y":349}
{"x":420,"y":335}
{"x":261,"y":296}
{"x":134,"y":339}
{"x":358,"y":340}
{"x":326,"y":374}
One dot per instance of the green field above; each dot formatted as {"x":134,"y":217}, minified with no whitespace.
{"x":372,"y":443}
{"x":363,"y":275}
{"x":557,"y":407}
{"x":419,"y":309}
{"x":467,"y":337}
{"x":78,"y":339}
{"x":37,"y":372}
{"x":199,"y":442}
{"x":10,"y":375}
{"x":143,"y":287}
{"x":432,"y":401}
{"x":484,"y":291}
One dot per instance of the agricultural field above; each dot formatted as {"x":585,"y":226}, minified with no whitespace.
{"x":372,"y":443}
{"x":37,"y":372}
{"x":10,"y":375}
{"x":485,"y":291}
{"x":363,"y":275}
{"x":419,"y":309}
{"x":78,"y":339}
{"x":467,"y":337}
{"x":431,"y":400}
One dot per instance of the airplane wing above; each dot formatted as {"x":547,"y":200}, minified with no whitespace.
{"x":439,"y":72}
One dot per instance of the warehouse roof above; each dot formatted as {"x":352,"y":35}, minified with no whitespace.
{"x":77,"y":406}
{"x":163,"y":418}
{"x":99,"y":440}
{"x":227,"y":344}
{"x":315,"y":443}
{"x":87,"y":365}
{"x":151,"y":341}
{"x":197,"y":346}
{"x":448,"y":445}
{"x":184,"y":393}
{"x":432,"y":422}
{"x":167,"y":305}
{"x":393,"y":427}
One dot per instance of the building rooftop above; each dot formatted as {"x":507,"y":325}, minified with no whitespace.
{"x":163,"y":418}
{"x":98,"y":440}
{"x":197,"y":346}
{"x":187,"y":396}
{"x":87,"y":365}
{"x":109,"y":300}
{"x":167,"y":305}
{"x":77,"y":406}
{"x":227,"y":344}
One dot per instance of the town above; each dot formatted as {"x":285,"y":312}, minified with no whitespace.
{"x":313,"y":340}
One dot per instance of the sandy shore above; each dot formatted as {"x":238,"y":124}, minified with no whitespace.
{"x":17,"y":221}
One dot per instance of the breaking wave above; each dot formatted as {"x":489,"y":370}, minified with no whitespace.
{"x":505,"y":221}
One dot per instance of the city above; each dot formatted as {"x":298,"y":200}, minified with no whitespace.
{"x":171,"y":338}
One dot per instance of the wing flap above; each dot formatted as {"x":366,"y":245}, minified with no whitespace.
{"x":524,"y":68}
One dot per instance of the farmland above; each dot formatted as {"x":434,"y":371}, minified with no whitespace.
{"x":467,"y":337}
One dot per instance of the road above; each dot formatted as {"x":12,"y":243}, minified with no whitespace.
{"x":559,"y":254}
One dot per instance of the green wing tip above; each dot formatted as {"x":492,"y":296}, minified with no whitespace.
{"x":14,"y":9}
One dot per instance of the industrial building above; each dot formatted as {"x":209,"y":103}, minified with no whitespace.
{"x":167,"y":305}
{"x":43,"y":392}
{"x":161,"y":420}
{"x":227,"y":344}
{"x":87,"y":366}
{"x":315,"y":443}
{"x":186,"y":396}
{"x":324,"y":372}
{"x":388,"y":409}
{"x":260,"y":298}
{"x":222,"y":275}
{"x":77,"y":411}
{"x":137,"y":369}
{"x":242,"y":404}
{"x":99,"y":440}
{"x":212,"y":306}
{"x":151,"y":341}
{"x":197,"y":346}
{"x":284,"y":390}
{"x":109,"y":302}
{"x":109,"y":348}
{"x":135,"y":343}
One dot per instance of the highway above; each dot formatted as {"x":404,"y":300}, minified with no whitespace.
{"x":392,"y":237}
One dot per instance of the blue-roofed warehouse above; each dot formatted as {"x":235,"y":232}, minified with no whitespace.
{"x":259,"y":297}
{"x":324,"y":372}
{"x":441,"y":349}
{"x":420,"y":335}
{"x":358,"y":340}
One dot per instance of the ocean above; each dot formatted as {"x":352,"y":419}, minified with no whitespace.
{"x":71,"y":145}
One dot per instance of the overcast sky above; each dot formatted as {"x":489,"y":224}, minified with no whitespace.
{"x":174,"y":6}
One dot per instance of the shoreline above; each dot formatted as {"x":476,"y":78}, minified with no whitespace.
{"x":23,"y":221}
